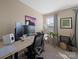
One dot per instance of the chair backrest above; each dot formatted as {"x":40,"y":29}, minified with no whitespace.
{"x":38,"y":40}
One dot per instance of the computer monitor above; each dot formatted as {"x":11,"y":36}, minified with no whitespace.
{"x":29,"y":30}
{"x":19,"y":31}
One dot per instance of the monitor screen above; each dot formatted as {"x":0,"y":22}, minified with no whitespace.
{"x":29,"y":30}
{"x":19,"y":31}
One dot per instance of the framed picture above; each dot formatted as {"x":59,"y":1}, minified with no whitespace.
{"x":66,"y":23}
{"x":30,"y":20}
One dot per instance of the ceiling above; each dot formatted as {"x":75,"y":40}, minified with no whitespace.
{"x":48,"y":6}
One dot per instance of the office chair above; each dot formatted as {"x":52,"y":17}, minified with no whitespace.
{"x":37,"y":47}
{"x":38,"y":43}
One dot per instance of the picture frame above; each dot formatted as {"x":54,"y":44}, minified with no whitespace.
{"x":66,"y":23}
{"x":29,"y":20}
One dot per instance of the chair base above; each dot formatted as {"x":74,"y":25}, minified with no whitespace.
{"x":38,"y":57}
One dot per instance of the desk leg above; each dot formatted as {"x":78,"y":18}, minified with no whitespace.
{"x":16,"y":55}
{"x":12,"y":57}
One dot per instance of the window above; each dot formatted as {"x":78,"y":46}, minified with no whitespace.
{"x":50,"y":21}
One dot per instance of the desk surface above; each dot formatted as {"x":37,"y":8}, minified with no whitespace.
{"x":7,"y":50}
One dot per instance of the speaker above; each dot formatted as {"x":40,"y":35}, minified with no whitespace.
{"x":8,"y":39}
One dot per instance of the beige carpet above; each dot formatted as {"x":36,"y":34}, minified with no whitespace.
{"x":52,"y":52}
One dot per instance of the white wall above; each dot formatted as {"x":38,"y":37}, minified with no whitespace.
{"x":12,"y":11}
{"x":64,"y":14}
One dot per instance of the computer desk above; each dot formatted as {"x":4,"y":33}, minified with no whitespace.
{"x":8,"y":50}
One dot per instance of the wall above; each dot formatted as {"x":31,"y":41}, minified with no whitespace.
{"x":64,"y":14}
{"x":12,"y":11}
